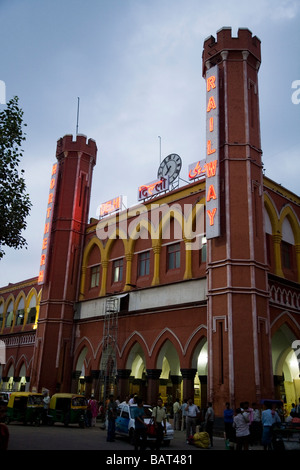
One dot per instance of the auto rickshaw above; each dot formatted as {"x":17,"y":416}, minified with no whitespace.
{"x":67,"y":408}
{"x":26,"y":407}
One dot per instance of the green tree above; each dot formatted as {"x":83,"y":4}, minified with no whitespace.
{"x":14,"y":202}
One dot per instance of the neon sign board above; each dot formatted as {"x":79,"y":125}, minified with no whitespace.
{"x":47,"y":227}
{"x":212,"y":154}
{"x":152,"y":189}
{"x":113,"y":205}
{"x":202,"y":169}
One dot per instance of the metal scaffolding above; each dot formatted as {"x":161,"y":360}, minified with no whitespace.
{"x":108,"y":369}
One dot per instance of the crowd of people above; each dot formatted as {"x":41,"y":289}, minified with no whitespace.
{"x":253,"y":425}
{"x":244,"y":427}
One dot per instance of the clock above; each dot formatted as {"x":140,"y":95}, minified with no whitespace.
{"x":170,"y":167}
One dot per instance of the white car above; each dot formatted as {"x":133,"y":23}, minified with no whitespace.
{"x":125,"y":423}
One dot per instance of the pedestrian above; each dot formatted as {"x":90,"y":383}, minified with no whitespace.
{"x":191,"y":419}
{"x":94,"y":410}
{"x":4,"y":431}
{"x":88,"y":414}
{"x":176,"y":414}
{"x":255,"y":426}
{"x":140,"y":427}
{"x":131,"y":399}
{"x":209,"y":422}
{"x":298,"y":409}
{"x":46,"y":404}
{"x":294,"y":409}
{"x":101,"y":411}
{"x":183,"y":415}
{"x":118,"y":400}
{"x":269,"y":417}
{"x":228,"y":422}
{"x":241,"y":426}
{"x":160,"y":420}
{"x":111,"y":418}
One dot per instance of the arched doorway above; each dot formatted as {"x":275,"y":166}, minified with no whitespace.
{"x":285,"y":367}
{"x":80,"y":371}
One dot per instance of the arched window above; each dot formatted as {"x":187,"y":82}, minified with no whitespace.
{"x":20,"y":312}
{"x":9,"y":317}
{"x":32,"y":310}
{"x":1,"y":314}
{"x":287,"y":243}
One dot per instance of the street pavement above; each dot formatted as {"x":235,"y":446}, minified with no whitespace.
{"x":74,"y":440}
{"x":59,"y":437}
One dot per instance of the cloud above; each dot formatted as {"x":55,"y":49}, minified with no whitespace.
{"x":137,"y":68}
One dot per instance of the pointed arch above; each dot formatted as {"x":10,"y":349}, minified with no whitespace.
{"x":272,"y":213}
{"x":21,"y":296}
{"x":288,"y":212}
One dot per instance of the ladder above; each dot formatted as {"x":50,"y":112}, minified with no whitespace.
{"x":108,"y":368}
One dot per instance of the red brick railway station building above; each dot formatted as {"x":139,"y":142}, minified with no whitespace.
{"x":195,"y":291}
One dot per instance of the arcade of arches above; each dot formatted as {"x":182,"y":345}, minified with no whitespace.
{"x":171,"y":380}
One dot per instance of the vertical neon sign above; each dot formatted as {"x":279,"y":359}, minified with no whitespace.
{"x":47,"y":227}
{"x":212,"y":154}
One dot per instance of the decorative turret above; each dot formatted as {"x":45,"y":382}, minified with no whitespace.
{"x":236,"y":265}
{"x":61,"y":263}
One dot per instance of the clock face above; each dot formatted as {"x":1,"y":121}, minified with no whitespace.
{"x":170,"y":167}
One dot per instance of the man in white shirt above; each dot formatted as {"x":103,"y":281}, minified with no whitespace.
{"x":176,"y":413}
{"x":191,"y":418}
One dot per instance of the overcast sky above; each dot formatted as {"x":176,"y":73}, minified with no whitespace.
{"x":136,"y":66}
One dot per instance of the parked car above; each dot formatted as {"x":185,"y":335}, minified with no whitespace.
{"x":125,"y":423}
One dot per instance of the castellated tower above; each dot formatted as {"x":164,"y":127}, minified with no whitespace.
{"x":73,"y":179}
{"x":239,"y":367}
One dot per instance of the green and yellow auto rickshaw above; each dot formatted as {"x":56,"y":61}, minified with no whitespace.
{"x":26,"y":407}
{"x":67,"y":408}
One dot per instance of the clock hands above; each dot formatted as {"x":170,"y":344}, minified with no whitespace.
{"x":170,"y":167}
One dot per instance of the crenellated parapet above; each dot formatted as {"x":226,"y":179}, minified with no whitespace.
{"x":80,"y":144}
{"x":244,"y":42}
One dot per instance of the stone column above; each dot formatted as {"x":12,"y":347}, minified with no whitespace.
{"x":16,"y":383}
{"x":277,"y":253}
{"x":123,"y":382}
{"x":88,"y":385}
{"x":129,"y":258}
{"x":176,"y":391}
{"x":156,"y":251}
{"x":104,"y":264}
{"x":96,"y":383}
{"x":153,"y":385}
{"x":188,"y":376}
{"x":75,"y":380}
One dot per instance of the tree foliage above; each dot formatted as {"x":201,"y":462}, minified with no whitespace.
{"x":14,"y":202}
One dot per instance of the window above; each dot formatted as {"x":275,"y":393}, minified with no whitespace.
{"x":31,"y":315}
{"x":1,"y":314}
{"x":286,"y":255}
{"x":20,"y":316}
{"x":95,"y":276}
{"x":144,"y":264}
{"x":20,"y":313}
{"x":118,"y":270}
{"x":9,"y":316}
{"x":174,"y":256}
{"x":203,"y":250}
